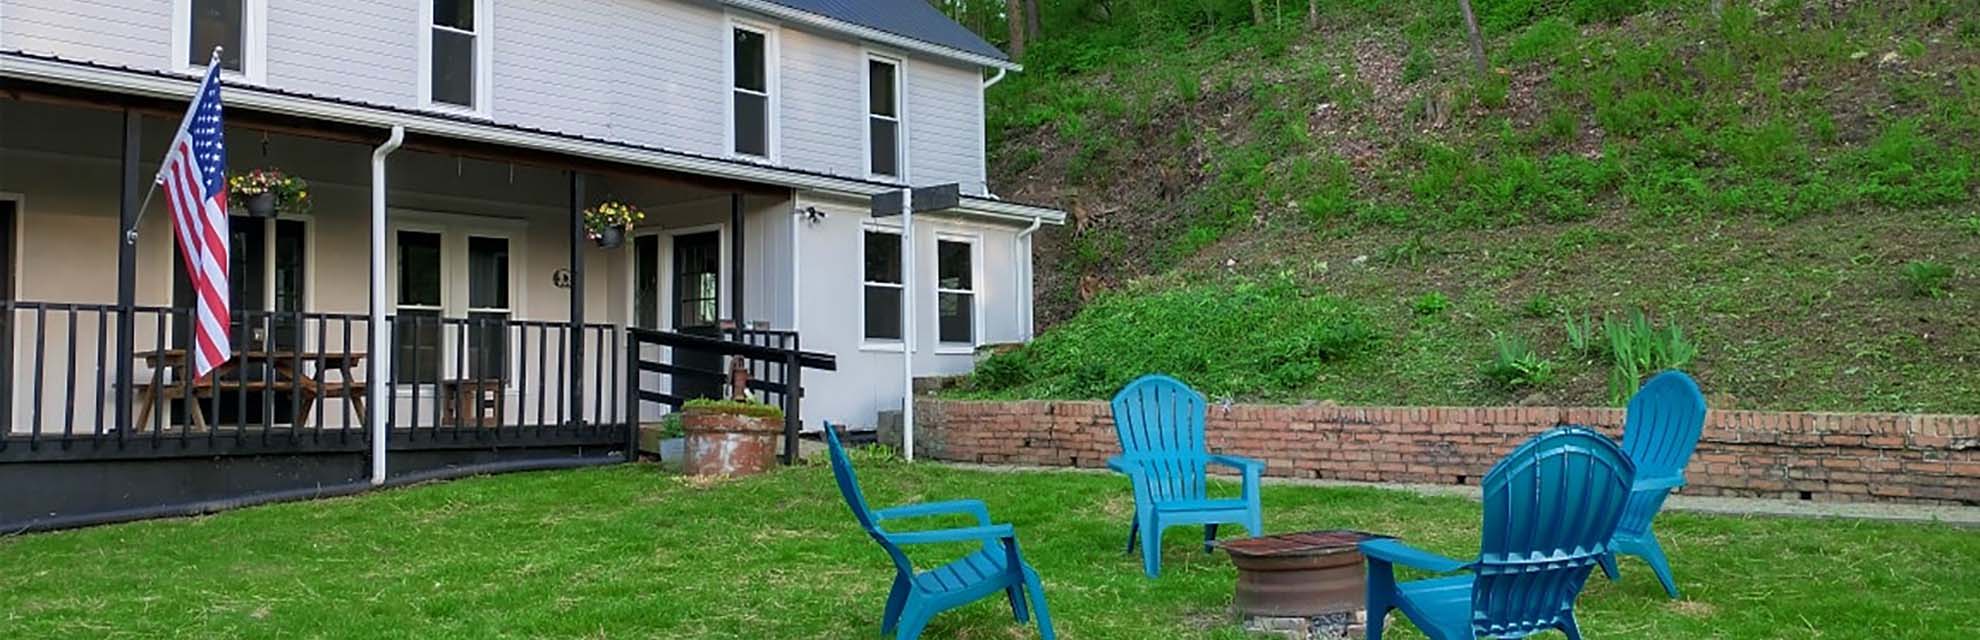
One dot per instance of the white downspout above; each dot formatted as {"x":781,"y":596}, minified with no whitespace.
{"x":1025,"y":303}
{"x":993,"y":80}
{"x":907,"y":322}
{"x":373,"y":391}
{"x":797,"y":272}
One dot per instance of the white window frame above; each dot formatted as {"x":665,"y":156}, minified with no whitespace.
{"x":772,"y":104}
{"x":900,"y":115}
{"x":975,"y":291}
{"x":467,"y":296}
{"x":254,"y":38}
{"x":454,"y":231}
{"x":880,"y":344}
{"x":484,"y":53}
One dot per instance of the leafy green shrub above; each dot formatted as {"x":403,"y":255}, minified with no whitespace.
{"x":1245,"y":338}
{"x":1928,"y":279}
{"x":670,"y":426}
{"x":1638,"y":348}
{"x":1430,"y":304}
{"x":1515,"y":365}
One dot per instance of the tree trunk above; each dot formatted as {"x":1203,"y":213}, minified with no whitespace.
{"x":1312,"y":14}
{"x":1477,"y":41}
{"x":1258,"y":12}
{"x":1033,"y":27}
{"x":1014,"y":14}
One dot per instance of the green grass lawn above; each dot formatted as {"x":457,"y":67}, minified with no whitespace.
{"x":631,"y":551}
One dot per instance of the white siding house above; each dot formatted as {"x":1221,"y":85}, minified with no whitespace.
{"x":513,"y":110}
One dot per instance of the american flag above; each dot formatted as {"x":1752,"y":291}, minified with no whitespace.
{"x":194,"y":179}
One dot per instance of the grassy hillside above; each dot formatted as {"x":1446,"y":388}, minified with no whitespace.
{"x":1784,"y":190}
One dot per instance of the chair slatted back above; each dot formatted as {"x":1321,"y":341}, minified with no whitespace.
{"x":1666,"y":418}
{"x":1160,"y":423}
{"x":842,"y":470}
{"x":1551,"y":507}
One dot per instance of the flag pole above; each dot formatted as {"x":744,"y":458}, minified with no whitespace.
{"x":131,"y":234}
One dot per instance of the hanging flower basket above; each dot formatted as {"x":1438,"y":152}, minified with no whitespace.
{"x":608,"y":223}
{"x":268,"y":192}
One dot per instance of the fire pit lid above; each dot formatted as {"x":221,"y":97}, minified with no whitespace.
{"x":1305,"y":543}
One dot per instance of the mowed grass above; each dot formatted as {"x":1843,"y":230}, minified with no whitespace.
{"x":631,"y":551}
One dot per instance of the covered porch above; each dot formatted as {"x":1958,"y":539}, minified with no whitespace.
{"x":503,"y":336}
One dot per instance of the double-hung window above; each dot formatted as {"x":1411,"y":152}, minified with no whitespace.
{"x":955,"y":291}
{"x":454,"y":72}
{"x":882,"y":286}
{"x":231,"y":27}
{"x":417,"y":333}
{"x":883,"y":117}
{"x":488,"y":308}
{"x":750,"y":73}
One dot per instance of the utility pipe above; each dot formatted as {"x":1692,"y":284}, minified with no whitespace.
{"x":1023,"y":249}
{"x":907,"y":322}
{"x":373,"y":391}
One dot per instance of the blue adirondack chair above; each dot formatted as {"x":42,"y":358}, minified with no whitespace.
{"x":918,"y":596}
{"x":1160,"y":422}
{"x":1551,"y":507}
{"x":1660,"y":431}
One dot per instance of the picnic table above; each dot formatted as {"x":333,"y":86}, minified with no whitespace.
{"x":285,"y":373}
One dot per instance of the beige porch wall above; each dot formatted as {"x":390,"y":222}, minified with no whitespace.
{"x":62,"y":165}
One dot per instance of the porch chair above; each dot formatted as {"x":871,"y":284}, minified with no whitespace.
{"x":1551,"y":507}
{"x":1660,"y":431}
{"x":918,"y":596}
{"x":1160,"y":423}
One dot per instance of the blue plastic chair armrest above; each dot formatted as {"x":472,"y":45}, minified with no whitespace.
{"x":1395,"y":552}
{"x":966,"y":534}
{"x":1656,"y":484}
{"x":1237,"y":462}
{"x":1123,"y":465}
{"x":971,"y":507}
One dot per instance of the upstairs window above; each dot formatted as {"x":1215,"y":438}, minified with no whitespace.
{"x":232,"y":26}
{"x":883,"y":288}
{"x":456,"y":51}
{"x":218,"y":23}
{"x":883,"y":117}
{"x":750,"y":72}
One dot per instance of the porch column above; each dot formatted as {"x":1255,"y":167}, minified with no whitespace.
{"x":130,"y":189}
{"x":736,"y":262}
{"x":577,"y":297}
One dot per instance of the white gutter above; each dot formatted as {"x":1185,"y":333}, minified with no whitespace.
{"x":1026,"y":305}
{"x":373,"y":390}
{"x":993,"y":80}
{"x":801,"y":16}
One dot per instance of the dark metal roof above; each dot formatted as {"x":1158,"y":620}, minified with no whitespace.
{"x":906,"y":18}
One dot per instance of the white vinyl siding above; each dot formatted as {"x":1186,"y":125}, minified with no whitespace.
{"x":356,"y":49}
{"x":944,"y":130}
{"x":647,"y":72}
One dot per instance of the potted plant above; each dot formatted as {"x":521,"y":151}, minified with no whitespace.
{"x":609,"y":221}
{"x":730,"y":437}
{"x":267,"y":192}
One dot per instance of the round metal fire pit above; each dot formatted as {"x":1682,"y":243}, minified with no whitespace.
{"x":1301,"y":575}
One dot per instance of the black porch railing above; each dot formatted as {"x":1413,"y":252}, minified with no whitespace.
{"x":773,"y":358}
{"x":297,"y":382}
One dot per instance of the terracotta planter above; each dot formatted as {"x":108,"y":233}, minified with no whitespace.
{"x":720,"y":443}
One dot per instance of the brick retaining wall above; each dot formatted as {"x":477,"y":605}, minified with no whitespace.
{"x":1931,"y":459}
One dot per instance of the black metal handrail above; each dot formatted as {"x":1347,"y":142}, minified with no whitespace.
{"x":774,"y":358}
